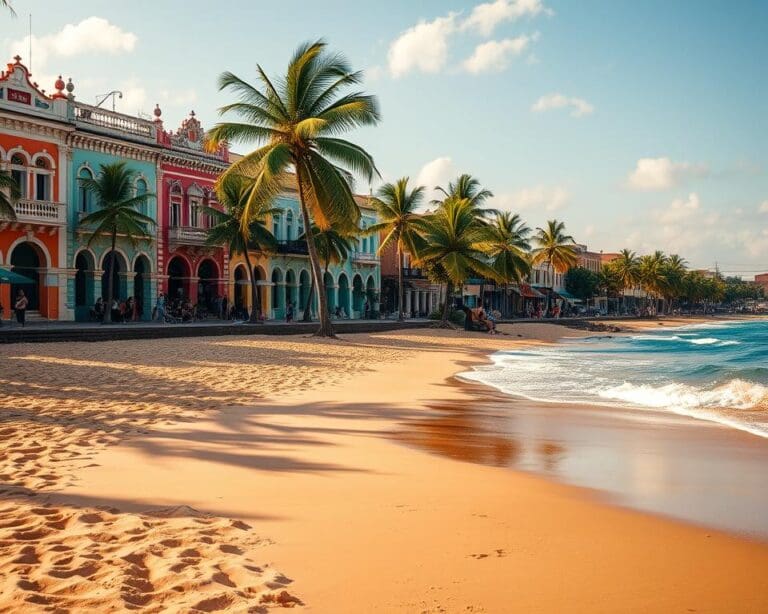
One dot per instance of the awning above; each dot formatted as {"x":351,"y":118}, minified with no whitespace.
{"x":9,"y":277}
{"x":527,"y":291}
{"x":566,"y":295}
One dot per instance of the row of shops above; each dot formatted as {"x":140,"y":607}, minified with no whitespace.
{"x":49,"y":142}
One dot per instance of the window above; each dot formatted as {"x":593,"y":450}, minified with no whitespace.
{"x":276,"y":226}
{"x":141,"y":188}
{"x":289,"y":225}
{"x":174,"y":207}
{"x":194,"y":212}
{"x":19,"y":173}
{"x":42,"y":179}
{"x":84,"y":197}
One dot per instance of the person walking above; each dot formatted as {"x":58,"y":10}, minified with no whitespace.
{"x":20,"y":307}
{"x":289,"y":312}
{"x":160,"y":307}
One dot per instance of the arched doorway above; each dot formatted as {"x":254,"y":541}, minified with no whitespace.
{"x":305,"y":284}
{"x":118,"y":272}
{"x":260,"y":276}
{"x":358,"y":296}
{"x":178,"y":276}
{"x":370,"y":295}
{"x":241,"y":288}
{"x":84,"y":298}
{"x":290,"y":289}
{"x":26,"y":260}
{"x":343,"y":292}
{"x":141,"y":288}
{"x":277,"y":294}
{"x":330,"y":291}
{"x":207,"y":284}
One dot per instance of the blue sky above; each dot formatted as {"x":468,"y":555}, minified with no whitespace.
{"x":640,"y":124}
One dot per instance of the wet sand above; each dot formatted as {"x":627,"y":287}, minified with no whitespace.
{"x":246,"y":474}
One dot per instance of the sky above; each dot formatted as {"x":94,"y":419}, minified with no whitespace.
{"x":639,"y":124}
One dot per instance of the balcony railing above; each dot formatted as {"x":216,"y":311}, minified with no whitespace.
{"x":113,"y":122}
{"x":41,"y":211}
{"x":188,"y":235}
{"x":298,"y":246}
{"x":412,"y":272}
{"x":365,"y":258}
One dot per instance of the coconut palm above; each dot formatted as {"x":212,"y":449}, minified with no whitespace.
{"x":228,"y":229}
{"x":118,"y":213}
{"x":651,"y":274}
{"x":332,"y":248}
{"x":673,"y":271}
{"x":465,"y":187}
{"x":397,"y":207}
{"x":9,"y":194}
{"x":554,"y":248}
{"x":508,"y":246}
{"x":295,"y":121}
{"x":454,"y":238}
{"x":625,"y":267}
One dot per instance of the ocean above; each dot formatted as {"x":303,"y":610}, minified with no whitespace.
{"x":716,"y":372}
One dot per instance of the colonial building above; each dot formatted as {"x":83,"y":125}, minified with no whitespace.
{"x":102,"y":137}
{"x":34,"y":131}
{"x":187,"y":173}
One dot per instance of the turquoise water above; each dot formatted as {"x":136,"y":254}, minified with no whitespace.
{"x":716,"y":372}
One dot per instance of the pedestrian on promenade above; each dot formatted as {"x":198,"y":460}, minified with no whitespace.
{"x":20,"y":307}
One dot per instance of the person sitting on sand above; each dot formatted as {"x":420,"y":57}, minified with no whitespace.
{"x":481,"y":316}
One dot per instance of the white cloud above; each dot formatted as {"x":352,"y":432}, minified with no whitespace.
{"x":579,"y":107}
{"x":662,"y":173}
{"x":540,"y":197}
{"x":438,"y":172}
{"x":485,"y":17}
{"x":134,"y":98}
{"x":93,"y":35}
{"x":763,"y":207}
{"x":495,"y":55}
{"x":679,"y":210}
{"x":424,"y":47}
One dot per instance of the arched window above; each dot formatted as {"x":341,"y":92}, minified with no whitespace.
{"x":276,"y":219}
{"x":289,"y":225}
{"x":195,"y":195}
{"x":42,"y":179}
{"x":84,"y":197}
{"x":174,"y":207}
{"x":19,"y":172}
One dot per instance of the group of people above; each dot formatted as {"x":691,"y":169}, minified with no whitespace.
{"x":479,"y":317}
{"x":19,"y":308}
{"x":128,"y":310}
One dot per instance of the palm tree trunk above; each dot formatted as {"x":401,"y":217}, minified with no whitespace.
{"x":326,"y":328}
{"x":255,"y":296}
{"x":400,"y":289}
{"x":110,"y":279}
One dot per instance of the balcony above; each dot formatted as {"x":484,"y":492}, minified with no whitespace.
{"x":413,"y":273}
{"x":365,"y":258}
{"x":187,"y":236}
{"x":41,"y":212}
{"x":299,"y":247}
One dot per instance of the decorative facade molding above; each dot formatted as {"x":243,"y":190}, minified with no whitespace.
{"x":120,"y":149}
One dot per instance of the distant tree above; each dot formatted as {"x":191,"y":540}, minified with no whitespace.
{"x":582,"y":283}
{"x":9,"y":194}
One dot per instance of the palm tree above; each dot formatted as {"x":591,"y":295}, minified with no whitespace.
{"x":651,"y":274}
{"x":396,"y":207}
{"x":295,"y":121}
{"x":673,"y":270}
{"x":556,"y":249}
{"x":465,"y":187}
{"x":332,"y":248}
{"x":228,"y":230}
{"x":7,"y":4}
{"x":9,"y":194}
{"x":508,"y":247}
{"x":454,"y":238}
{"x":118,"y":213}
{"x":626,"y":269}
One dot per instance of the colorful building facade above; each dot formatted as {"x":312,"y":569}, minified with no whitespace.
{"x":50,"y":143}
{"x":34,"y":131}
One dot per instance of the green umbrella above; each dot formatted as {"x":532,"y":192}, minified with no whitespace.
{"x":9,"y":277}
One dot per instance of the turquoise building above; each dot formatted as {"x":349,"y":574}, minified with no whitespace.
{"x":104,"y":137}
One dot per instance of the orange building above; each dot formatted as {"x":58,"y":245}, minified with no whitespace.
{"x":33,"y":133}
{"x":762,"y":280}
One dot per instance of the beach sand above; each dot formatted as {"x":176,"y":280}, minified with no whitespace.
{"x":245,"y":474}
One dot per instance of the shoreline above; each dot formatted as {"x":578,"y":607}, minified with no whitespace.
{"x":299,"y":449}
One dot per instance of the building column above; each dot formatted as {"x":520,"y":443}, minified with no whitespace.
{"x":407,"y":312}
